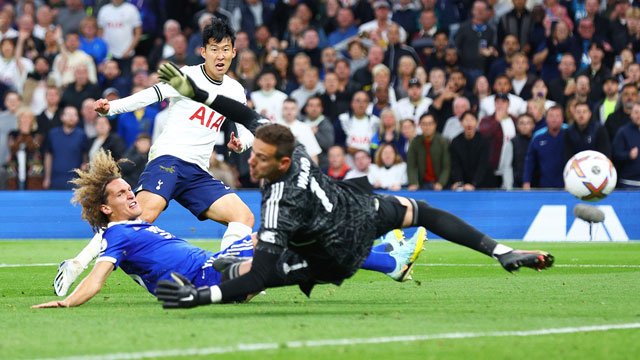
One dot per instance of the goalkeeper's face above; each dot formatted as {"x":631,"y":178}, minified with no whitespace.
{"x":217,"y":57}
{"x":121,"y":203}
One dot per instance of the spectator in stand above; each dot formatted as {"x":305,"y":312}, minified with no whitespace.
{"x":113,"y":78}
{"x":596,"y":71}
{"x":632,"y":76}
{"x":138,"y":155}
{"x":252,"y":14}
{"x":328,"y":58}
{"x":364,"y":75}
{"x":630,"y":36}
{"x":181,"y":56}
{"x":120,"y":26}
{"x":428,"y":159}
{"x":301,"y":62}
{"x":300,"y":130}
{"x":311,"y":85}
{"x":88,"y":118}
{"x":502,"y":85}
{"x":424,"y":38}
{"x":406,"y":68}
{"x":561,"y":88}
{"x":521,"y":81}
{"x":32,"y":45}
{"x":346,"y":28}
{"x":361,"y":166}
{"x":65,"y":150}
{"x":543,"y":160}
{"x":622,"y":115}
{"x":539,"y":93}
{"x":25,"y":169}
{"x":247,"y":69}
{"x":213,"y":7}
{"x":163,"y":48}
{"x":607,"y":105}
{"x":380,"y":101}
{"x":357,"y":55}
{"x":44,"y":22}
{"x":627,"y":58}
{"x":517,"y":22}
{"x":406,"y":14}
{"x":50,"y":117}
{"x":499,"y":129}
{"x":35,"y":86}
{"x":380,"y":25}
{"x":358,"y":127}
{"x":195,"y":39}
{"x":481,"y":90}
{"x":549,"y":54}
{"x":433,"y":57}
{"x":71,"y":58}
{"x":90,"y":43}
{"x":516,"y":151}
{"x":382,"y":78}
{"x":537,"y":112}
{"x":437,"y":80}
{"x":70,"y":16}
{"x":14,"y":67}
{"x":334,"y":101}
{"x":396,"y":49}
{"x":285,"y":75}
{"x":625,"y":151}
{"x":345,"y":83}
{"x":583,"y":89}
{"x":136,"y":122}
{"x":499,"y":66}
{"x":453,"y":127}
{"x":268,"y":100}
{"x":8,"y":122}
{"x":106,"y":139}
{"x":413,"y":106}
{"x":310,"y":46}
{"x":80,"y":89}
{"x":592,"y":10}
{"x":321,"y":126}
{"x":585,"y":134}
{"x":476,"y":34}
{"x":408,"y":132}
{"x":469,"y":153}
{"x":6,"y":20}
{"x":388,"y":133}
{"x":292,"y":38}
{"x":388,"y":172}
{"x":338,"y":167}
{"x":51,"y":44}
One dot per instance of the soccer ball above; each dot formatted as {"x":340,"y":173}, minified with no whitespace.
{"x":590,"y":176}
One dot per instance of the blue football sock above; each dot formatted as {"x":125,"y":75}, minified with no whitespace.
{"x":379,"y":261}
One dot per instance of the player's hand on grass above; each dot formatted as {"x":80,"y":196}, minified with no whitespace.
{"x":234,"y":143}
{"x":171,"y":74}
{"x":51,"y":304}
{"x":181,"y":293}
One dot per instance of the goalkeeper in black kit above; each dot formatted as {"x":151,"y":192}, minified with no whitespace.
{"x":315,"y":230}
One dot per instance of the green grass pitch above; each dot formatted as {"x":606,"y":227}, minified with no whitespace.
{"x":460,"y":306}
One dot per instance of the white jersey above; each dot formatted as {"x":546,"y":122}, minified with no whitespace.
{"x":404,"y":109}
{"x":118,"y":24}
{"x":269,"y":104}
{"x":192,"y":128}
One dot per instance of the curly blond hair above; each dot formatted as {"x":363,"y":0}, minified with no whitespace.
{"x":91,"y":188}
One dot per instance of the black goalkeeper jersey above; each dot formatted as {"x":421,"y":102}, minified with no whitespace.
{"x":329,"y":223}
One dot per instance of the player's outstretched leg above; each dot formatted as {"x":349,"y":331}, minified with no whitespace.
{"x":70,"y":269}
{"x":395,"y":255}
{"x":407,"y":254}
{"x":454,"y":229}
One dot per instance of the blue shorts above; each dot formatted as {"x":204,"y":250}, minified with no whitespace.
{"x":242,"y":248}
{"x":187,"y":183}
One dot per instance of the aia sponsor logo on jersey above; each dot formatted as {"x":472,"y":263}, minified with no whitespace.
{"x":210,"y":120}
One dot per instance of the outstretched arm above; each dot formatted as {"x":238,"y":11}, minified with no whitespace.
{"x":233,"y":110}
{"x":87,"y":289}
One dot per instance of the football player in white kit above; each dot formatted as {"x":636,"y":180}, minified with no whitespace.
{"x":179,"y":158}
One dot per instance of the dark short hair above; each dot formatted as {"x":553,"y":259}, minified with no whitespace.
{"x":469,"y":112}
{"x":278,"y":135}
{"x":218,"y":29}
{"x":582,"y":103}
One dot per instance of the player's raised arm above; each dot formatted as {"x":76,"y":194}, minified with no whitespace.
{"x":87,"y":289}
{"x":232,"y":109}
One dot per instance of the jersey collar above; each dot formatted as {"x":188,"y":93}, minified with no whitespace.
{"x":124,"y":222}
{"x":212,"y":80}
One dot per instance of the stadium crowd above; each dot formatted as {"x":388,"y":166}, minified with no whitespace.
{"x":429,"y":94}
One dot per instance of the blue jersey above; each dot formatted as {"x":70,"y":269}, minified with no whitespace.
{"x":149,"y":254}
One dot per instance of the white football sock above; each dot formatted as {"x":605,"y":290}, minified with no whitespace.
{"x":500,"y":250}
{"x":235,"y":231}
{"x":90,"y":251}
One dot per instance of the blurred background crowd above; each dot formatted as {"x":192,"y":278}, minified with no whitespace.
{"x":413,"y":94}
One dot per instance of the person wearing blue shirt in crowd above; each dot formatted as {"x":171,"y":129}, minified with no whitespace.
{"x":65,"y":149}
{"x":90,"y":42}
{"x":625,"y":151}
{"x":544,"y":153}
{"x":133,"y":123}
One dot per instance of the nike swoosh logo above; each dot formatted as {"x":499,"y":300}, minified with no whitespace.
{"x":189,"y":298}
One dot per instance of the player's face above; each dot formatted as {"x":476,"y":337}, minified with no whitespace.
{"x":217,"y":57}
{"x":263,"y":163}
{"x":121,"y":202}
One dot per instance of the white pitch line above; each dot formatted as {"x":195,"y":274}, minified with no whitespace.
{"x":338,"y":342}
{"x":27,"y":265}
{"x":558,"y":265}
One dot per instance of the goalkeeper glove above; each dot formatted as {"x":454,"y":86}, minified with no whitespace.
{"x":181,"y":293}
{"x":170,"y":74}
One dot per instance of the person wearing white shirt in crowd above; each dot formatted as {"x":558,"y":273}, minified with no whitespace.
{"x":502,"y":85}
{"x":359,"y":127}
{"x":120,"y":25}
{"x":6,"y":31}
{"x":268,"y":100}
{"x":301,"y":131}
{"x":380,"y":25}
{"x":361,"y":166}
{"x":452,"y":127}
{"x":311,"y":85}
{"x":44,"y":21}
{"x":14,"y":67}
{"x":69,"y":59}
{"x":389,"y":171}
{"x":414,"y":105}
